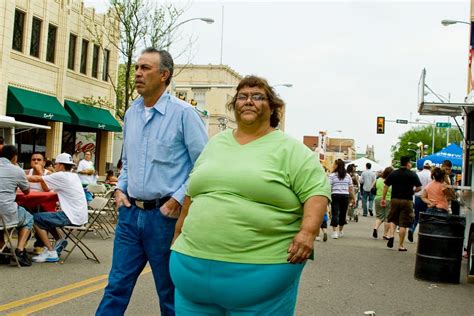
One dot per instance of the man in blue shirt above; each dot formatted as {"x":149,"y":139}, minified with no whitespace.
{"x":163,"y":137}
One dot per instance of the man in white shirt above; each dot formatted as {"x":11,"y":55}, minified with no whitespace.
{"x":73,"y":207}
{"x":420,"y":206}
{"x":86,"y":170}
{"x":367,"y":179}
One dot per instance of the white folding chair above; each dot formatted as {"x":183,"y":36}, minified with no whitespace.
{"x":76,"y":233}
{"x":97,"y":189}
{"x":100,"y":179}
{"x":8,"y":231}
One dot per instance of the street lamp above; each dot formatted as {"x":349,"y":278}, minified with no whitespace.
{"x":451,"y":22}
{"x":433,"y":125}
{"x":288,"y":85}
{"x":171,"y":29}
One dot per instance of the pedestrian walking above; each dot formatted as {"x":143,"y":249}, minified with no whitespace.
{"x":163,"y":137}
{"x":381,"y":212}
{"x":420,"y":207}
{"x":341,"y":195}
{"x":404,"y":183}
{"x":242,"y":244}
{"x":367,"y":179}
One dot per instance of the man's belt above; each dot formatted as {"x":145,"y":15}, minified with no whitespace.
{"x":149,"y":204}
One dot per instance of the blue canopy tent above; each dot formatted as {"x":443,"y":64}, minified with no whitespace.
{"x":452,"y":153}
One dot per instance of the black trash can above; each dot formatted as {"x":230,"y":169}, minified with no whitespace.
{"x":440,"y":246}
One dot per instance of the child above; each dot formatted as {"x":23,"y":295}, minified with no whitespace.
{"x":324,"y":226}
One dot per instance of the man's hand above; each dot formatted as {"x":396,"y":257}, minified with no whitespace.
{"x":301,"y":247}
{"x":121,"y":199}
{"x":38,"y":169}
{"x":171,"y":208}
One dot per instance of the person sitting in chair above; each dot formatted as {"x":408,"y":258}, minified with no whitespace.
{"x":73,"y":207}
{"x":11,"y":178}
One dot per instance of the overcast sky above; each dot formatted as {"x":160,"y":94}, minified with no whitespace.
{"x":348,"y":61}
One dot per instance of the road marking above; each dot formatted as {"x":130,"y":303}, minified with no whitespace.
{"x":60,"y":299}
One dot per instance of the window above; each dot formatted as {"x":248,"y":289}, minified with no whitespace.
{"x":85,"y":47}
{"x":105,"y":66}
{"x":95,"y":61}
{"x":51,"y":49}
{"x":35,"y":37}
{"x":18,"y":28}
{"x":72,"y":51}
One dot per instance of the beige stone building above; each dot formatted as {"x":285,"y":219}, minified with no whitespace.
{"x":49,"y":62}
{"x":333,"y":148}
{"x":211,"y":87}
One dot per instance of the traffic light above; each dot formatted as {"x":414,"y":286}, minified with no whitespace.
{"x":193,"y":102}
{"x":380,"y":124}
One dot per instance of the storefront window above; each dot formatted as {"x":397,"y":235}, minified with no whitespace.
{"x":28,"y":142}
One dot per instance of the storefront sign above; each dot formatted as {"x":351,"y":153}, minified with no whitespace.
{"x":101,"y":126}
{"x":48,"y":116}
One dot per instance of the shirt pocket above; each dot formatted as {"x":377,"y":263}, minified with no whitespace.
{"x":163,"y":153}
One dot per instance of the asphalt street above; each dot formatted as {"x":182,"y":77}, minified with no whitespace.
{"x":350,"y":276}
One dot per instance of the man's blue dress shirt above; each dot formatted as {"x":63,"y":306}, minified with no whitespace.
{"x":159,"y":153}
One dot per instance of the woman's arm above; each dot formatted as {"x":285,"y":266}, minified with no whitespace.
{"x":302,"y":245}
{"x":182,"y":217}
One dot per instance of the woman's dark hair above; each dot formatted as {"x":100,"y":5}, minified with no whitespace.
{"x":437,"y":174}
{"x":386,"y":172}
{"x":276,"y":104}
{"x":351,"y":168}
{"x":119,"y":164}
{"x":48,"y":163}
{"x":340,"y":169}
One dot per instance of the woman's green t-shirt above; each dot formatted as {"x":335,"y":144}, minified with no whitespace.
{"x":379,"y":184}
{"x":247,"y":199}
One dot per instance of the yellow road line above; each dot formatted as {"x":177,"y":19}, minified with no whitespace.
{"x":60,"y":290}
{"x":60,"y":299}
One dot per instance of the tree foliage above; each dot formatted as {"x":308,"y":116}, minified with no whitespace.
{"x":424,"y":134}
{"x":141,"y":23}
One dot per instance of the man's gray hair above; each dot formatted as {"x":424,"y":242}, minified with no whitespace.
{"x":166,"y":61}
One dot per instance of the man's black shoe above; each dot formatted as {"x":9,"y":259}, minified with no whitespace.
{"x":371,"y":213}
{"x":390,"y":242}
{"x":375,"y":233}
{"x":23,"y":258}
{"x":410,"y":236}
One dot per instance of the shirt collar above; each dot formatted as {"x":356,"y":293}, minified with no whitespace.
{"x":160,"y":105}
{"x":5,"y":161}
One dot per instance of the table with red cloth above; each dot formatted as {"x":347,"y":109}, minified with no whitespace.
{"x":34,"y":201}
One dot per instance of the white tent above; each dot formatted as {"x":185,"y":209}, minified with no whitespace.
{"x":361,"y":162}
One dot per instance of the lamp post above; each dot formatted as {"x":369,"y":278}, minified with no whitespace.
{"x":433,"y":125}
{"x":169,"y":31}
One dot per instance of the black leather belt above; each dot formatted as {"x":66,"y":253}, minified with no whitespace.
{"x":149,"y":204}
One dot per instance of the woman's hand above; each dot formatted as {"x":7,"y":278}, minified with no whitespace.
{"x":301,"y":247}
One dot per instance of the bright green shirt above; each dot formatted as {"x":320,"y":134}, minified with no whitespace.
{"x":247,"y":200}
{"x":379,"y":184}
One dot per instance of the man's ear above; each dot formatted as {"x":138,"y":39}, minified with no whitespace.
{"x":165,"y":74}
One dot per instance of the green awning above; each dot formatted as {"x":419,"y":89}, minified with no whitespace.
{"x":29,"y":103}
{"x":86,"y":115}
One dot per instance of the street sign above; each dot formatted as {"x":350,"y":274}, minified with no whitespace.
{"x":443,"y":124}
{"x":402,"y":121}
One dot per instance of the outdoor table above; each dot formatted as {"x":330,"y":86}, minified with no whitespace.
{"x":35,"y":201}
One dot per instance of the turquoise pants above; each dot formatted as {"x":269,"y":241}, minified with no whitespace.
{"x":208,"y":287}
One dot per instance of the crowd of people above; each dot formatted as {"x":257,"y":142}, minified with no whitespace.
{"x":63,"y":178}
{"x":213,"y":219}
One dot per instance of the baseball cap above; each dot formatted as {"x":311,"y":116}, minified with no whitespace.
{"x":428,"y":163}
{"x":64,"y":158}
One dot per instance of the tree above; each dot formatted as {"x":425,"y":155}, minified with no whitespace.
{"x":141,"y":23}
{"x":423,"y":134}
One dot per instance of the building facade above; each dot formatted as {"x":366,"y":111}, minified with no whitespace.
{"x":210,"y":88}
{"x":330,"y":149}
{"x":49,"y":62}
